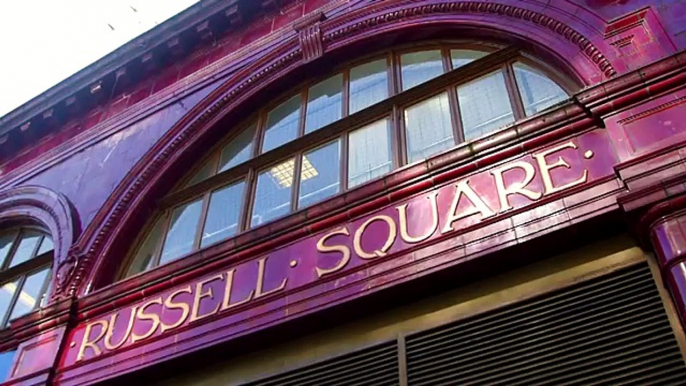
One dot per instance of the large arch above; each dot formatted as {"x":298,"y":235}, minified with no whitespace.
{"x":315,"y":40}
{"x":51,"y":210}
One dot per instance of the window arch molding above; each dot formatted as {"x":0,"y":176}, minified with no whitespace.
{"x":133,"y":202}
{"x":42,"y":207}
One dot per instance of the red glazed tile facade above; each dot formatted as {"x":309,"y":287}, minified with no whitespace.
{"x":92,"y":170}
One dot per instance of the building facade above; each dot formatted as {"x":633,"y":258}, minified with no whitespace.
{"x":356,"y":192}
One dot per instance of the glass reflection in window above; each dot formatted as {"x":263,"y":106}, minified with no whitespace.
{"x":370,"y":153}
{"x":6,"y":361}
{"x":205,"y":172}
{"x":181,"y":234}
{"x":223,"y":213}
{"x":238,"y":150}
{"x":29,"y":295}
{"x":27,"y":246}
{"x":320,"y":174}
{"x":537,"y":90}
{"x":464,"y":57}
{"x":324,"y":103}
{"x":273,"y":193}
{"x":368,"y":84}
{"x":282,"y":124}
{"x":484,"y":105}
{"x":6,"y":295}
{"x":419,"y":67}
{"x":144,"y":258}
{"x":6,"y":241}
{"x":429,"y":128}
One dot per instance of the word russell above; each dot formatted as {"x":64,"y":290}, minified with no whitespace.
{"x":388,"y":231}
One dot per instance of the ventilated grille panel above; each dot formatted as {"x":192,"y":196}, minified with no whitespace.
{"x":376,"y":366}
{"x":611,"y":330}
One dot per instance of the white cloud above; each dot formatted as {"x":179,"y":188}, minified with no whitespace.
{"x":42,"y":42}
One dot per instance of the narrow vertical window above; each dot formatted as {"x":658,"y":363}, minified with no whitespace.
{"x":324,"y":103}
{"x":537,"y":90}
{"x":182,"y":228}
{"x":429,"y":128}
{"x":484,"y":105}
{"x":282,"y":124}
{"x":223,"y":213}
{"x":368,"y":84}
{"x":419,"y":67}
{"x":273,"y":193}
{"x":369,"y":153}
{"x":320,"y":174}
{"x":238,"y":150}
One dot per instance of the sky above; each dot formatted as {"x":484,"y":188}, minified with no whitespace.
{"x":43,"y":42}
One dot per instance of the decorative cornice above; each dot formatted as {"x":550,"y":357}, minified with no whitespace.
{"x":111,"y":220}
{"x":339,"y":30}
{"x":52,"y":210}
{"x":310,"y":36}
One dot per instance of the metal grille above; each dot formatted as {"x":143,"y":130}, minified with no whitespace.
{"x":377,"y":366}
{"x":611,"y":330}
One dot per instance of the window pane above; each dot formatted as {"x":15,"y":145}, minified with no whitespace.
{"x":144,"y":258}
{"x":30,"y":294}
{"x":537,"y":90}
{"x":184,"y":223}
{"x":6,"y":293}
{"x":273,"y":193}
{"x":320,"y":176}
{"x":205,"y":172}
{"x":6,"y":242}
{"x":6,"y":361}
{"x":282,"y":124}
{"x":238,"y":151}
{"x":324,"y":103}
{"x":224,"y":211}
{"x":46,"y":246}
{"x":418,"y":67}
{"x":368,"y":84}
{"x":370,"y":153}
{"x":429,"y":129}
{"x":26,"y":247}
{"x":484,"y":105}
{"x":462,"y":57}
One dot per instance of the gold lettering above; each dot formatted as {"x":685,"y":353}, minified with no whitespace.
{"x":199,"y":295}
{"x":478,"y":205}
{"x":184,"y":307}
{"x":226,"y":303}
{"x":142,"y":315}
{"x":516,"y":187}
{"x":259,"y":292}
{"x":402,"y":214}
{"x":344,"y":250}
{"x":92,"y":344}
{"x":113,"y":321}
{"x":546,"y":168}
{"x":392,"y":234}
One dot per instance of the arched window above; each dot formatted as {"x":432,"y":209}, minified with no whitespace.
{"x":340,"y":132}
{"x":26,"y":255}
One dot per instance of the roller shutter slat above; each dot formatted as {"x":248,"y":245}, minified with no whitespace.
{"x":609,"y":330}
{"x":375,"y":366}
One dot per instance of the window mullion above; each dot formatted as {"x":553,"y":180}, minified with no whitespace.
{"x":402,"y":361}
{"x":513,"y":93}
{"x":160,"y":245}
{"x":303,"y":113}
{"x":37,"y":247}
{"x":13,"y":249}
{"x":295,"y":192}
{"x":13,"y":302}
{"x":344,"y":161}
{"x":246,"y":208}
{"x":201,"y":221}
